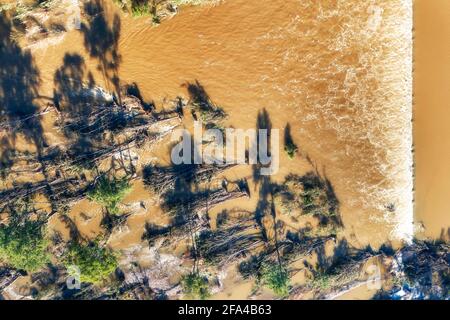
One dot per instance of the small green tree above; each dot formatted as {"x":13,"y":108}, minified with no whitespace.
{"x":141,"y":9}
{"x":95,"y":263}
{"x":109,"y":192}
{"x":276,"y":278}
{"x":195,"y":286}
{"x":23,"y":244}
{"x":291,"y":149}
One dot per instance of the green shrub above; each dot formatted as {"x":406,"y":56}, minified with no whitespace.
{"x":23,"y":244}
{"x":195,"y":286}
{"x":110,"y":192}
{"x":322,"y":281}
{"x":95,"y":263}
{"x":141,"y":9}
{"x":307,"y":195}
{"x":291,"y":149}
{"x":275,"y":277}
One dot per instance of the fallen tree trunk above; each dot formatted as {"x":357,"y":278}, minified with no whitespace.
{"x":230,"y":241}
{"x":130,"y":116}
{"x":8,"y":276}
{"x":59,"y":192}
{"x":16,"y":124}
{"x":57,"y":158}
{"x":161,"y":179}
{"x":178,"y":231}
{"x":177,"y":202}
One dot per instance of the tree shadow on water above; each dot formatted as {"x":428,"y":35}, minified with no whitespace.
{"x":71,"y":97}
{"x":207,"y":110}
{"x":289,"y":145}
{"x":265,"y":185}
{"x":101,"y":39}
{"x":19,"y":83}
{"x":69,"y":88}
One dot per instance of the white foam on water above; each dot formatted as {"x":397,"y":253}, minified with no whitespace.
{"x":356,"y":88}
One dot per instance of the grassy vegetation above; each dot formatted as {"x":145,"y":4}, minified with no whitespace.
{"x":141,"y":9}
{"x":94,"y":262}
{"x":138,"y":8}
{"x":22,"y":8}
{"x":109,"y":192}
{"x":315,"y":202}
{"x":6,"y":7}
{"x":291,"y":149}
{"x":322,"y":281}
{"x":275,"y":277}
{"x":23,"y":244}
{"x":268,"y":273}
{"x":195,"y":286}
{"x":322,"y":230}
{"x":156,"y":9}
{"x":305,"y":195}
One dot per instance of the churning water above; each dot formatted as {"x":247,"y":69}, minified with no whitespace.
{"x":339,"y":72}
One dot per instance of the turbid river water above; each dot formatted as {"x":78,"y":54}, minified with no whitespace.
{"x":338,"y":72}
{"x":432,"y":116}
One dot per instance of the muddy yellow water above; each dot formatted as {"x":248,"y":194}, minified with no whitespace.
{"x":338,"y":72}
{"x":432,"y":116}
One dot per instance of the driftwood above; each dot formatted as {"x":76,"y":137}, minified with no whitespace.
{"x":161,"y":179}
{"x":133,"y":291}
{"x":181,"y":229}
{"x":60,"y":192}
{"x":340,"y":278}
{"x":57,"y":158}
{"x":177,"y":202}
{"x":289,"y":250}
{"x":8,"y":276}
{"x":296,"y":250}
{"x":129,"y":121}
{"x":130,"y":116}
{"x":17,"y":124}
{"x":235,"y":239}
{"x":426,"y":267}
{"x":421,"y":259}
{"x":103,"y":118}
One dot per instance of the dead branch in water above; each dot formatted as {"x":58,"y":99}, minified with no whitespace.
{"x":176,"y":202}
{"x":161,"y":179}
{"x":130,"y":116}
{"x":16,"y":124}
{"x":345,"y":273}
{"x":231,"y":240}
{"x":77,"y":156}
{"x":290,"y":251}
{"x":128,"y":125}
{"x":188,"y":209}
{"x":7,"y":276}
{"x":59,"y":192}
{"x":178,"y":231}
{"x":127,"y":118}
{"x":296,"y":250}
